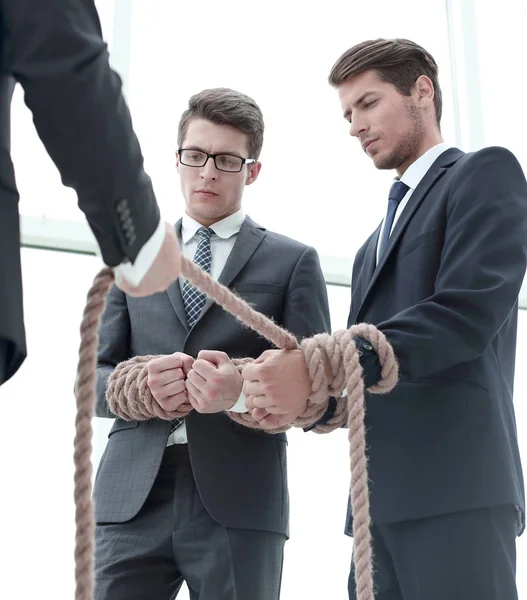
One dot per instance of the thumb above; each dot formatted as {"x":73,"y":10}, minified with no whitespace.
{"x":215,"y":357}
{"x":186,"y":363}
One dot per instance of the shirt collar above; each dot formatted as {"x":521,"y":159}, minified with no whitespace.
{"x":225,"y":228}
{"x":418,"y":169}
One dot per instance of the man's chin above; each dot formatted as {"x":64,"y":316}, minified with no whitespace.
{"x":385,"y":163}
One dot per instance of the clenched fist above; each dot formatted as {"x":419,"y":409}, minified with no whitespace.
{"x":213,"y":384}
{"x":166,"y":379}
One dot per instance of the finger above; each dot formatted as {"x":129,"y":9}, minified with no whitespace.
{"x":175,"y":387}
{"x":269,"y":422}
{"x":164,"y":363}
{"x":274,"y":409}
{"x":164,"y":377}
{"x":266,"y":355}
{"x":204,"y":368}
{"x":258,"y":361}
{"x":196,"y":379}
{"x":173,"y":402}
{"x":274,"y":421}
{"x":269,"y":405}
{"x":187,"y":362}
{"x":249,"y":402}
{"x":251,"y":372}
{"x":262,"y":401}
{"x":259,"y":413}
{"x":214,"y":356}
{"x":193,"y":402}
{"x":192,"y":390}
{"x":252,"y":388}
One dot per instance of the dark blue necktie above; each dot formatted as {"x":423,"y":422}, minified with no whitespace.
{"x":193,"y":299}
{"x":397,"y":193}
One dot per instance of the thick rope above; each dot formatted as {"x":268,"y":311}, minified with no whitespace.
{"x":85,"y":395}
{"x":333,"y":364}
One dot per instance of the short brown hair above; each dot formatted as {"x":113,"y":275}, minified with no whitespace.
{"x":399,"y":62}
{"x":224,"y":106}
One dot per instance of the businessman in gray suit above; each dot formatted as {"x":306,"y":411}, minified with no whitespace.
{"x":203,"y":500}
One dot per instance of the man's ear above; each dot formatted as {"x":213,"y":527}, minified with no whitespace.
{"x":253,"y":172}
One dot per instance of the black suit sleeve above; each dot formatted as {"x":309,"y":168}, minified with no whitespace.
{"x":482,"y":266}
{"x":55,"y":50}
{"x":114,"y":345}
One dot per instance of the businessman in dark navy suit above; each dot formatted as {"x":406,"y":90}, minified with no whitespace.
{"x":440,"y":277}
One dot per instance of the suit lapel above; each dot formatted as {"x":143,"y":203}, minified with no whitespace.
{"x":248,"y":240}
{"x":368,"y":267}
{"x":436,"y":171}
{"x":174,"y":290}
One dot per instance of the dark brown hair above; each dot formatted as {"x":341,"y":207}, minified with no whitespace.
{"x":224,"y":106}
{"x":399,"y":62}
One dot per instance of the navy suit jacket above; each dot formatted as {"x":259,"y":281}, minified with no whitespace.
{"x":445,"y":295}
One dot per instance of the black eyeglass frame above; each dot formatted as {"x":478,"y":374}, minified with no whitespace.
{"x":245,"y":161}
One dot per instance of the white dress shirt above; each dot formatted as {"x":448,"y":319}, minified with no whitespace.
{"x":412,"y":177}
{"x":222,"y":242}
{"x":134,"y":273}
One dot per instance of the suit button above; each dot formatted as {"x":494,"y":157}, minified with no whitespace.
{"x":122,"y":205}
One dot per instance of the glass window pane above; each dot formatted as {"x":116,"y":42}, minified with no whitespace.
{"x":502,"y":67}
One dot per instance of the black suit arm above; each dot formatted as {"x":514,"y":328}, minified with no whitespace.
{"x":54,"y":48}
{"x":114,"y":345}
{"x":482,"y":267}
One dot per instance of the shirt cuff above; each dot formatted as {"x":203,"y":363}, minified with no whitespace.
{"x":134,"y":273}
{"x":240,"y":407}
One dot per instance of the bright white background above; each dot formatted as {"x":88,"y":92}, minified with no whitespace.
{"x":279,"y":53}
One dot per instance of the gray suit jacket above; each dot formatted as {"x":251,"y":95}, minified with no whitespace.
{"x":240,"y":474}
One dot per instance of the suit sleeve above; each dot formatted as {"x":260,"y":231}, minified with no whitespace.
{"x":55,"y":50}
{"x":482,"y":267}
{"x":306,"y":310}
{"x":114,"y":345}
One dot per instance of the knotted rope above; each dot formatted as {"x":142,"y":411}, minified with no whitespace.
{"x":333,"y":364}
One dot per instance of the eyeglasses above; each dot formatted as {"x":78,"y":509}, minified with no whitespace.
{"x":223,"y":162}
